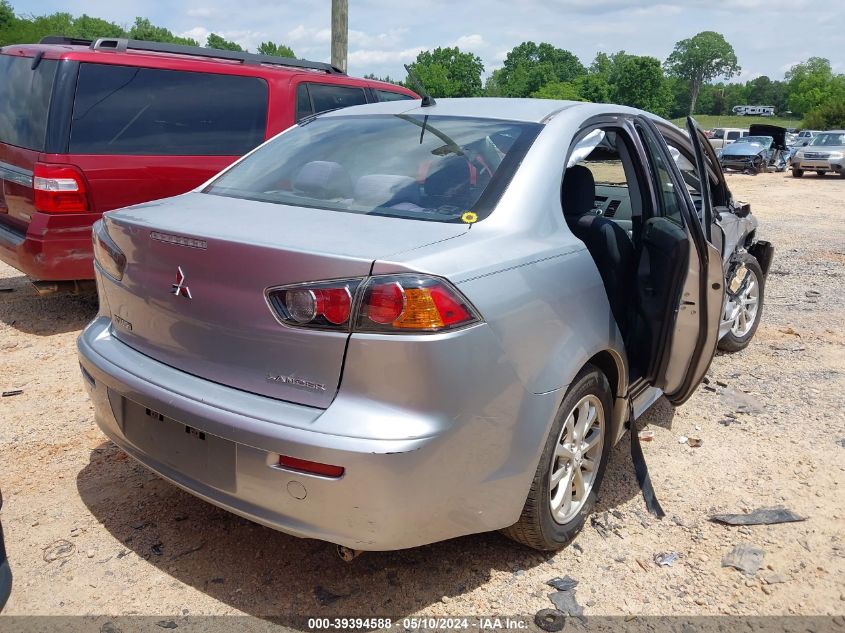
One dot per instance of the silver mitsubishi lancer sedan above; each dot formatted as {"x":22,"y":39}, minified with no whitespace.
{"x":404,"y":322}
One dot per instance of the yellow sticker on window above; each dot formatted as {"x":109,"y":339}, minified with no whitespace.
{"x":469,"y":217}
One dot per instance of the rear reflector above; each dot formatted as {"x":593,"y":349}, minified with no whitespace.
{"x":59,"y":189}
{"x":312,"y":468}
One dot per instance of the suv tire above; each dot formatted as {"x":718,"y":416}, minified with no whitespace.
{"x":797,"y":173}
{"x":738,"y":338}
{"x":537,"y":526}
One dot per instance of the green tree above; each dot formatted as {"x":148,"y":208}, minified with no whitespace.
{"x":7,"y":15}
{"x":447,"y":72}
{"x":565,"y":90}
{"x":91,"y":28}
{"x":764,"y":91}
{"x":638,"y":81}
{"x":276,"y":50}
{"x":701,"y":59}
{"x":387,"y":79}
{"x":143,"y":29}
{"x":811,"y":84}
{"x":493,"y":85}
{"x":529,"y":66}
{"x":216,"y":41}
{"x":830,"y":115}
{"x":594,"y":87}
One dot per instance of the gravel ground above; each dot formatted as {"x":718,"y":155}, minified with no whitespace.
{"x":121,"y":541}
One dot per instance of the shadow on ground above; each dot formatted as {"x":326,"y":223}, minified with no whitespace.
{"x":23,"y":309}
{"x":272,"y":575}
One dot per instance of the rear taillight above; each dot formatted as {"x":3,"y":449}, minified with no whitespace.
{"x":326,"y":305}
{"x":59,"y":189}
{"x":106,"y":253}
{"x":388,"y":304}
{"x":412,"y":303}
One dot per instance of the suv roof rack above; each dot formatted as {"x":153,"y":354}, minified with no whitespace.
{"x":119,"y":44}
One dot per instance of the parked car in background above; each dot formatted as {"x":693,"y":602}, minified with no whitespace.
{"x":805,"y":136}
{"x":722,"y":136}
{"x":825,"y":153}
{"x":86,"y":127}
{"x":764,"y":147}
{"x":413,"y":331}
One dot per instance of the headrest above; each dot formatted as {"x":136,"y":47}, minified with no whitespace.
{"x":386,"y":190}
{"x":449,"y":179}
{"x":323,"y":179}
{"x":578,"y":192}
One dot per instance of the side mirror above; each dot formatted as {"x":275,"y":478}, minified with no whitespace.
{"x":742,"y":210}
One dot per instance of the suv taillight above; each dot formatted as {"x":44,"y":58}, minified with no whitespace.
{"x":404,"y":303}
{"x":59,"y":189}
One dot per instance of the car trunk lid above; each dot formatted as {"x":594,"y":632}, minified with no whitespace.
{"x":222,"y":328}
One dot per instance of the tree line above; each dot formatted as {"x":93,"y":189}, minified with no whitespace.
{"x":685,"y":82}
{"x":27,"y":29}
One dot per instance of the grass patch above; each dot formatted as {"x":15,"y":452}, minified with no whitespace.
{"x":710,"y":121}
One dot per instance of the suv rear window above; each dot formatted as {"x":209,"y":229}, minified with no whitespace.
{"x":25,"y":100}
{"x":313,"y":98}
{"x":389,"y":95}
{"x":435,"y":168}
{"x":148,"y":111}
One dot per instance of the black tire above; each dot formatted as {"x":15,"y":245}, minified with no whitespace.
{"x":536,"y":527}
{"x":797,"y":173}
{"x":730,"y":342}
{"x":820,"y":173}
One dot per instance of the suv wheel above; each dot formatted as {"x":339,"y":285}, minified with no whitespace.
{"x":745,"y":309}
{"x":821,"y":172}
{"x":571,"y":467}
{"x":797,"y":173}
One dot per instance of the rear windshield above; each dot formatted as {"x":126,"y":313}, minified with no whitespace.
{"x":25,"y":100}
{"x":147,"y":111}
{"x":436,"y":168}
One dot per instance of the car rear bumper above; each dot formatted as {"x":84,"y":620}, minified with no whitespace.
{"x":53,"y":247}
{"x":411,"y":476}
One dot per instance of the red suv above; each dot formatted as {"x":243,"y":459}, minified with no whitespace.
{"x":86,"y":127}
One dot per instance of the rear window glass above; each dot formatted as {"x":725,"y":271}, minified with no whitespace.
{"x":434,"y":168}
{"x":126,"y":110}
{"x":388,"y":95}
{"x":330,"y":97}
{"x":25,"y":100}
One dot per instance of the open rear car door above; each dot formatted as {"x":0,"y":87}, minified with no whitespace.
{"x":682,"y":306}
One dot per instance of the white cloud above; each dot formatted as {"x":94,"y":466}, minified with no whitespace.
{"x":470,"y":42}
{"x":365,"y":57}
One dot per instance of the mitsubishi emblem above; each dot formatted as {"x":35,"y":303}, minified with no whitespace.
{"x":180,"y":287}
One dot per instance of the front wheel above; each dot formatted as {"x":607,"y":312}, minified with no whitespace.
{"x":797,"y":173}
{"x":571,"y":467}
{"x":820,"y":173}
{"x":745,"y":307}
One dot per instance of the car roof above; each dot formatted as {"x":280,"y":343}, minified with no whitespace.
{"x":523,"y":110}
{"x":78,"y":51}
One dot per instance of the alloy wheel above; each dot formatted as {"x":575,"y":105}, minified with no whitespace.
{"x":742,"y":309}
{"x":576,"y":459}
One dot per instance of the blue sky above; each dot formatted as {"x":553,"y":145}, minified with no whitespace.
{"x":768,"y":35}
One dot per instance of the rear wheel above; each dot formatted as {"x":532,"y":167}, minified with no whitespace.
{"x":797,"y":173}
{"x":571,"y":467}
{"x":745,"y":308}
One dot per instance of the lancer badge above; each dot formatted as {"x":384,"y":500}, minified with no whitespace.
{"x":180,"y":287}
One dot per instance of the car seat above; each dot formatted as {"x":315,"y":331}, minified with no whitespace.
{"x":607,"y":242}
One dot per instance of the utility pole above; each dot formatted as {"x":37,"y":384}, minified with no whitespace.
{"x":340,"y":33}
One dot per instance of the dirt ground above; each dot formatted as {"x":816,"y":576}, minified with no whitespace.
{"x":138,"y":545}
